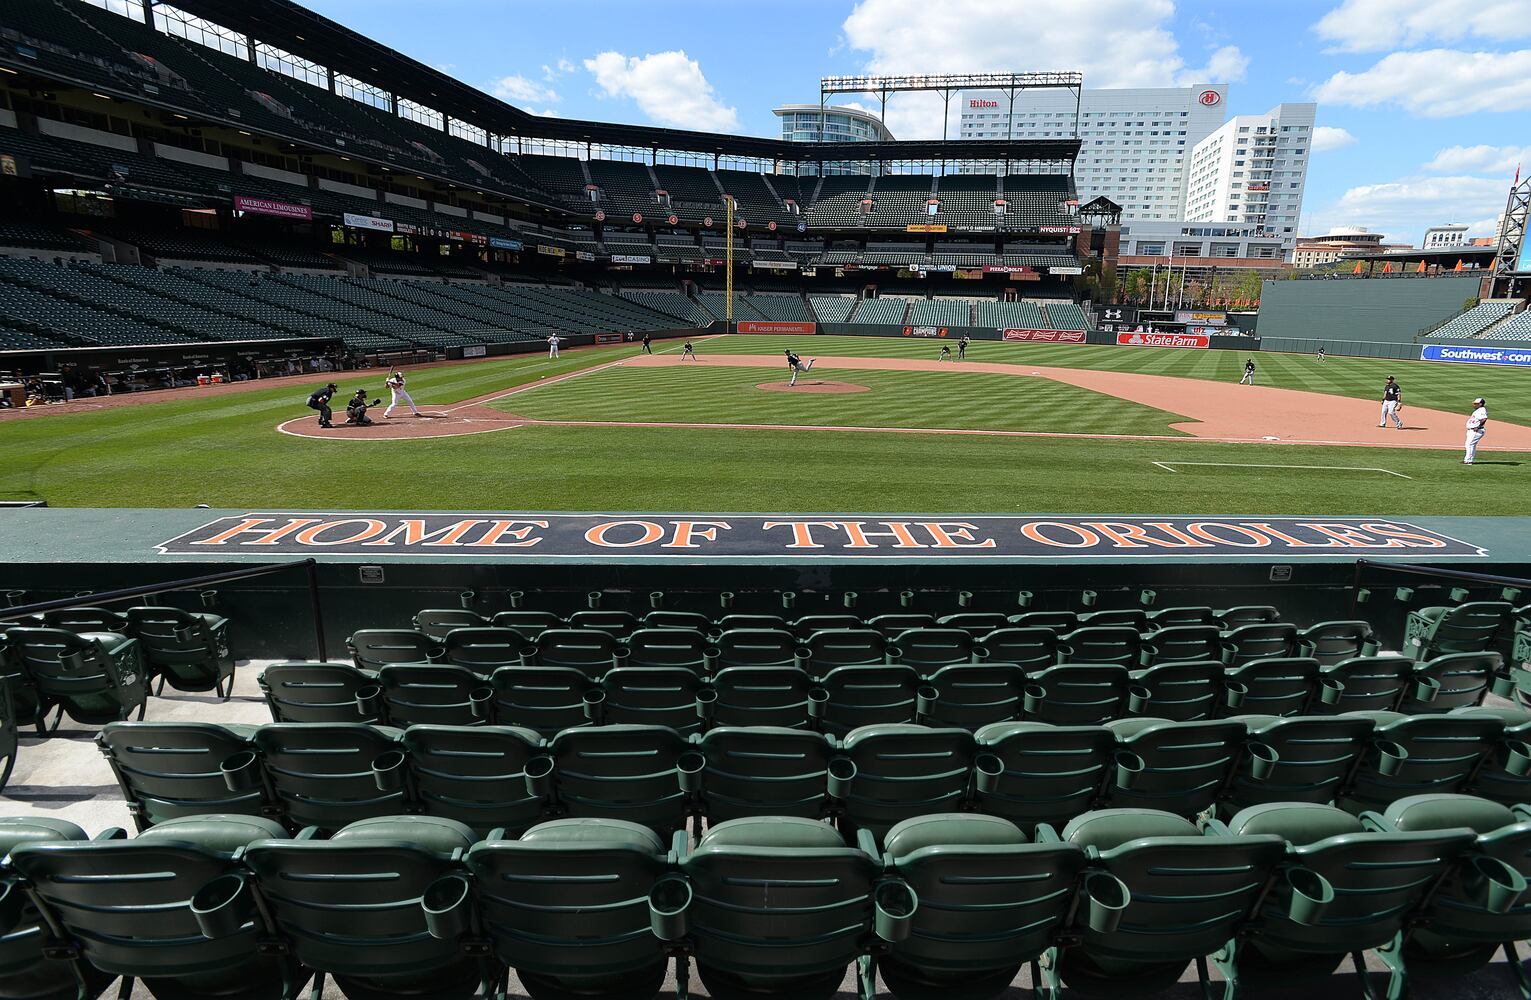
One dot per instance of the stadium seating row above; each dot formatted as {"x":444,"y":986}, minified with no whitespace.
{"x":1121,"y":899}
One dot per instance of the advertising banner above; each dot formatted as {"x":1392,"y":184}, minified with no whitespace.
{"x":475,"y":351}
{"x":924,"y":331}
{"x":1065,"y":270}
{"x":935,"y":268}
{"x":265,"y":206}
{"x":775,"y":326}
{"x":501,"y":243}
{"x":548,"y":251}
{"x":1057,"y":229}
{"x":968,"y":273}
{"x":371,"y":222}
{"x":1163,"y":340}
{"x":631,"y":258}
{"x":1006,"y":269}
{"x":777,"y":265}
{"x":777,"y":537}
{"x":1045,"y":336}
{"x":1518,"y":357}
{"x":584,"y":255}
{"x":1201,"y":318}
{"x":608,"y":338}
{"x":926,"y":227}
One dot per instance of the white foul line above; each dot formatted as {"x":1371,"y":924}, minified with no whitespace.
{"x":1248,"y":465}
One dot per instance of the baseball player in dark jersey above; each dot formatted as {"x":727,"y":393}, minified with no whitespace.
{"x":1249,"y":373}
{"x":320,"y":401}
{"x":1392,"y":403}
{"x":648,"y":339}
{"x":962,"y":347}
{"x":796,"y":364}
{"x":689,"y":352}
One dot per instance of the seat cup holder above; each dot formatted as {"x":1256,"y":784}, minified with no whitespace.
{"x":1138,"y":699}
{"x":803,"y":657}
{"x":1128,"y":767}
{"x":849,"y":598}
{"x":706,"y":702}
{"x":892,"y":653}
{"x":711,"y":655}
{"x":895,"y":903}
{"x":539,"y":776}
{"x":209,"y":598}
{"x":1234,"y":693}
{"x":241,"y":771}
{"x":841,"y":775}
{"x":72,"y":661}
{"x":1263,"y":759}
{"x":1311,"y":895}
{"x":818,"y":703}
{"x":1495,"y":885}
{"x":1106,"y":899}
{"x":446,"y":905}
{"x":964,"y":598}
{"x":1331,"y":690}
{"x":620,"y":657}
{"x":185,"y":634}
{"x":1035,"y":696}
{"x":388,"y":770}
{"x":1427,"y":689}
{"x":223,"y":906}
{"x":925,"y":700}
{"x":726,"y":599}
{"x":528,"y":656}
{"x":906,"y":598}
{"x":688,"y":771}
{"x":1390,"y":757}
{"x":1518,"y":759}
{"x":1502,"y":683}
{"x":480,"y":701}
{"x":593,"y":600}
{"x":369,"y":701}
{"x":788,"y":600}
{"x":594,"y":701}
{"x":15,"y":598}
{"x":669,"y":906}
{"x":988,"y":772}
{"x":656,"y":599}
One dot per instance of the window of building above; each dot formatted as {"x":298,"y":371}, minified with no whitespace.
{"x":173,"y":21}
{"x":127,"y":8}
{"x":363,"y":93}
{"x":272,"y":58}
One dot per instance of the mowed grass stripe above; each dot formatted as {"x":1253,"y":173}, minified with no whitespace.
{"x":959,"y":400}
{"x":1430,"y":384}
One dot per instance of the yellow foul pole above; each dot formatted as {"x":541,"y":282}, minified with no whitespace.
{"x":728,"y":266}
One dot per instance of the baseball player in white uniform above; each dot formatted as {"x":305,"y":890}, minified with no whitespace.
{"x":1392,"y":403}
{"x":1477,"y":426}
{"x":395,"y":384}
{"x":553,"y":347}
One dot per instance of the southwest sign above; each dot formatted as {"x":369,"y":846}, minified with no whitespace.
{"x":1519,"y":357}
{"x":1163,"y":340}
{"x":786,"y":537}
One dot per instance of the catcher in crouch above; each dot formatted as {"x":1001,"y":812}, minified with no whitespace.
{"x":356,"y":409}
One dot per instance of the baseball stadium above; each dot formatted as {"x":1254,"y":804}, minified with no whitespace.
{"x":454,"y":551}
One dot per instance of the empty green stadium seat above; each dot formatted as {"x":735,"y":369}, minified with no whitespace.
{"x":866,"y":696}
{"x":1364,"y":684}
{"x":976,"y":623}
{"x":86,"y":620}
{"x":837,"y":647}
{"x":656,"y":696}
{"x":322,"y":774}
{"x":1112,"y":644}
{"x":175,"y":769}
{"x":433,"y":694}
{"x":904,"y":771}
{"x":1182,"y":644}
{"x":765,"y":771}
{"x":474,"y":775}
{"x":592,"y":651}
{"x":483,"y":649}
{"x":372,"y":648}
{"x":1079,"y":694}
{"x":1452,"y":680}
{"x":318,"y":692}
{"x":1332,"y":642}
{"x":187,"y":650}
{"x":545,"y":699}
{"x":756,"y":647}
{"x":667,"y":647}
{"x":1177,"y":692}
{"x":1278,"y":685}
{"x":926,"y":648}
{"x":437,"y":622}
{"x":892,"y":625}
{"x":1417,"y":755}
{"x":1031,"y":772}
{"x":30,"y":967}
{"x":1027,"y":648}
{"x":972,"y":695}
{"x":1259,"y":641}
{"x":619,"y":624}
{"x":93,"y":677}
{"x":1302,"y":759}
{"x":764,"y":696}
{"x":1176,"y":767}
{"x":1247,"y":614}
{"x":529,"y":623}
{"x":1465,"y":628}
{"x":631,"y":773}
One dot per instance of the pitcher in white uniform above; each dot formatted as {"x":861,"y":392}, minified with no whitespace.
{"x":1477,"y":426}
{"x":395,"y":384}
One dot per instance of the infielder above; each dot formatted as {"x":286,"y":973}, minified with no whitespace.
{"x":946,"y":353}
{"x":552,"y":349}
{"x":1392,"y":403}
{"x":647,"y":340}
{"x":1249,"y":373}
{"x":395,"y":384}
{"x":1477,"y":426}
{"x":796,"y":364}
{"x":962,"y":347}
{"x":689,"y":352}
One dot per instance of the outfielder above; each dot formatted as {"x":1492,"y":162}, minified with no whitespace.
{"x":1477,"y":426}
{"x":552,"y":348}
{"x":395,"y":384}
{"x":1320,"y":353}
{"x":796,"y":364}
{"x":1392,"y":403}
{"x":1249,"y":373}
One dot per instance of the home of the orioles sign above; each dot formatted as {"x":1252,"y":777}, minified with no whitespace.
{"x":785,"y":537}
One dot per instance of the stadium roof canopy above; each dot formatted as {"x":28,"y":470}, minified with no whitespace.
{"x":302,"y":32}
{"x":1440,"y":255}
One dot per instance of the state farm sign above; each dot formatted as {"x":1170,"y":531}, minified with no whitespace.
{"x":979,"y":102}
{"x":1163,"y":340}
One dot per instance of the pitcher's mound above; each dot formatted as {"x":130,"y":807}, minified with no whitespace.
{"x":812,"y":385}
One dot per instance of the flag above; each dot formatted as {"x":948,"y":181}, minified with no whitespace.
{"x":1387,"y":268}
{"x":1458,"y":267}
{"x":1420,"y":269}
{"x":1358,"y":268}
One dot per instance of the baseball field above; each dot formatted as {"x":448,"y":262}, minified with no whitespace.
{"x":877,"y":424}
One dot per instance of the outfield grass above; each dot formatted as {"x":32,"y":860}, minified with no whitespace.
{"x":224,"y":451}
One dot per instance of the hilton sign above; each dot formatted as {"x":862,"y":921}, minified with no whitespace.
{"x":979,"y":102}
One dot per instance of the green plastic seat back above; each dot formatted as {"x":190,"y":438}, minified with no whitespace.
{"x":1028,"y":648}
{"x":653,"y":696}
{"x":762,"y":696}
{"x":173,"y":769}
{"x":976,"y":623}
{"x":934,"y":647}
{"x":322,"y":774}
{"x":869,"y":696}
{"x":1496,"y":779}
{"x":1247,"y":614}
{"x":973,"y":695}
{"x":1187,"y":614}
{"x":1443,"y":753}
{"x":437,"y":622}
{"x":756,"y":647}
{"x":893,"y":625}
{"x":1283,"y":685}
{"x":621,"y":772}
{"x":8,"y":735}
{"x":617,"y":624}
{"x":729,"y":623}
{"x":529,"y":623}
{"x":1315,"y":757}
{"x":667,"y":647}
{"x":1133,"y":618}
{"x":1118,"y":645}
{"x":26,"y":704}
{"x":484,"y":648}
{"x":315,"y":692}
{"x":1466,"y":628}
{"x":372,"y":648}
{"x":1059,"y":621}
{"x":591,"y":936}
{"x":904,"y":771}
{"x":1463,"y":679}
{"x":590,"y":650}
{"x":429,"y":694}
{"x":1180,"y":692}
{"x":778,"y":918}
{"x":96,"y":676}
{"x":546,"y":699}
{"x":1183,"y":644}
{"x":475,"y":775}
{"x":25,"y":972}
{"x":764,"y":771}
{"x":85,"y":620}
{"x":678,"y":619}
{"x":840,"y":647}
{"x":1372,"y":684}
{"x":1051,"y":773}
{"x":1088,"y":694}
{"x":805,"y":627}
{"x":1267,"y":640}
{"x":1334,"y":642}
{"x":1185,"y":765}
{"x":190,"y":650}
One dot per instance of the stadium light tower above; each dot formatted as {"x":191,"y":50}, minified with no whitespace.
{"x":947,"y":84}
{"x":1512,"y":261}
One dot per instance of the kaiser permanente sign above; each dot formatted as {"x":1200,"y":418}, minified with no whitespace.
{"x":1517,"y":356}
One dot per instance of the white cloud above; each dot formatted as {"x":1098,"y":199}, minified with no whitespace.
{"x":1480,"y":159}
{"x":561,"y":68}
{"x":962,"y":36}
{"x":1380,"y":25}
{"x":1327,"y":137}
{"x":1437,"y":83}
{"x":523,"y":91}
{"x":1403,"y":208}
{"x":668,"y":87}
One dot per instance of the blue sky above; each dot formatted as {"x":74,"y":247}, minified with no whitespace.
{"x":1424,"y":105}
